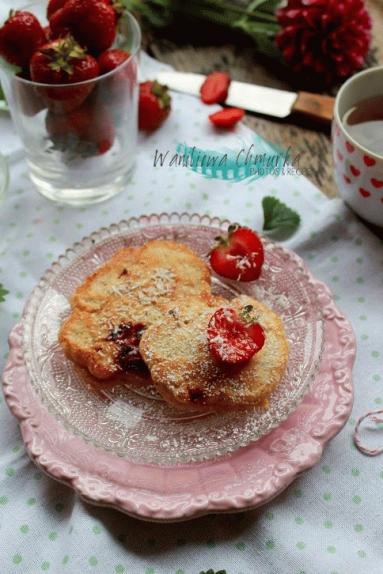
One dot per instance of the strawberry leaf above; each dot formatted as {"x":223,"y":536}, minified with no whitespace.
{"x":3,"y":293}
{"x":279,"y":219}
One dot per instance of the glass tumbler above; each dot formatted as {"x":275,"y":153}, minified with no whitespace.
{"x":4,"y":180}
{"x":80,"y":139}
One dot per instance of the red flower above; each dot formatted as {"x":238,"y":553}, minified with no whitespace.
{"x":328,"y":38}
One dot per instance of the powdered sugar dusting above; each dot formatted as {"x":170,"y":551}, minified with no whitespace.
{"x":149,"y":289}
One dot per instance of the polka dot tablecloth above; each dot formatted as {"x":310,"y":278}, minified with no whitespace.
{"x":330,"y":520}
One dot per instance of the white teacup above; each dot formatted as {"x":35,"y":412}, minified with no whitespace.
{"x":358,"y":171}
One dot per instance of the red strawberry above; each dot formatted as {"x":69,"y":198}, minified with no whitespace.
{"x":53,"y":6}
{"x":63,"y":61}
{"x":154,"y":105}
{"x":240,"y":256}
{"x":20,"y":37}
{"x":227,"y":118}
{"x":30,"y":100}
{"x":111,"y":59}
{"x":87,"y":130}
{"x":229,"y":338}
{"x":254,"y":329}
{"x":118,"y":87}
{"x":215,"y":87}
{"x":92,"y":23}
{"x":48,"y":34}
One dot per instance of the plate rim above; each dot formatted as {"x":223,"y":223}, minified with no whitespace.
{"x":29,"y":428}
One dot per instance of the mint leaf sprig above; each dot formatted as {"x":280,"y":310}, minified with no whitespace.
{"x":280,"y":221}
{"x":3,"y":293}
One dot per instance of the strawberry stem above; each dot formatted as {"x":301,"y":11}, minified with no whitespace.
{"x":247,"y":314}
{"x":232,"y":228}
{"x":161,"y":92}
{"x":62,"y":53}
{"x":220,"y":241}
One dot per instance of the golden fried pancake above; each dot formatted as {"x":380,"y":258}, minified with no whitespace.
{"x":133,"y":288}
{"x":177,"y":353}
{"x":159,"y":270}
{"x":100,"y":340}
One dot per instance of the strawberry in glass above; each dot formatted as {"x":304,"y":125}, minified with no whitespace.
{"x":63,"y":61}
{"x":119,"y":86}
{"x":53,"y":6}
{"x":111,"y":59}
{"x":20,"y":36}
{"x":93,"y":23}
{"x":85,"y":132}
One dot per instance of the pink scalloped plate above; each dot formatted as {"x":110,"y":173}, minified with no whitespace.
{"x":131,"y":451}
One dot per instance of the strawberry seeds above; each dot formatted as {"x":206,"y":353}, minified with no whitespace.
{"x":231,"y":339}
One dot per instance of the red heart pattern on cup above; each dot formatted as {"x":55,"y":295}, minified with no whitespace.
{"x":359,"y":177}
{"x":369,"y":161}
{"x":377,"y":183}
{"x":349,"y":147}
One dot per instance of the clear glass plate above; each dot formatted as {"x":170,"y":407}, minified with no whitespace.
{"x":136,"y":423}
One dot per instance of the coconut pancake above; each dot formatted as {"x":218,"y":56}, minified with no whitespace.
{"x":158,"y":270}
{"x":177,"y":354}
{"x":133,"y":288}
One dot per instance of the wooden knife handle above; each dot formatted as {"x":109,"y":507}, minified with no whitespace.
{"x":315,"y":106}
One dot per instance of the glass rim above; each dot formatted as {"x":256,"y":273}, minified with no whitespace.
{"x":4,"y":176}
{"x":133,"y":53}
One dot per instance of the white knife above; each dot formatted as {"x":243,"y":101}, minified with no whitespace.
{"x":268,"y":101}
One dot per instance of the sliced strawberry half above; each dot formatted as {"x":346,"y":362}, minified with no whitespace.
{"x":249,"y":317}
{"x":238,"y":256}
{"x":231,"y":340}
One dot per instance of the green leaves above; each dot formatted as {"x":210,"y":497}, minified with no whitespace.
{"x":255,"y":18}
{"x":269,"y":6}
{"x":211,"y":571}
{"x":279,"y":219}
{"x":156,"y":13}
{"x":262,"y":33}
{"x":3,"y":293}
